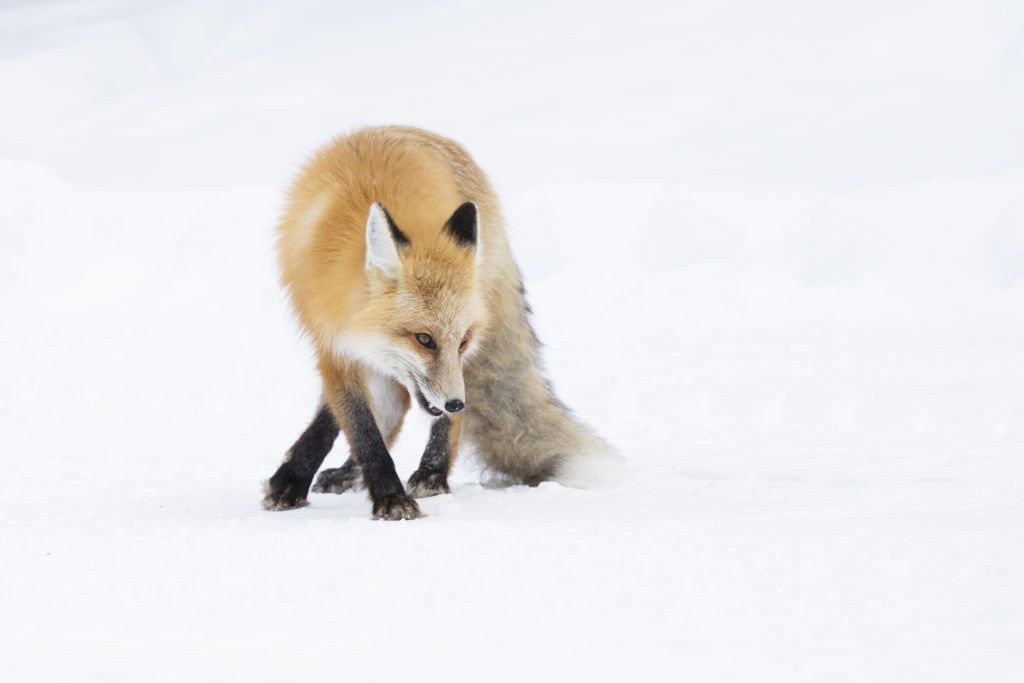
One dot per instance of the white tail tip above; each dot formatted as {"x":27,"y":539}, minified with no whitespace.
{"x":597,"y":466}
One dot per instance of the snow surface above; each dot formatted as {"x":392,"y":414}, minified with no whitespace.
{"x":776,"y":254}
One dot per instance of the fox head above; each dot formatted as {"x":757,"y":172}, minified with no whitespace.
{"x":424,"y":314}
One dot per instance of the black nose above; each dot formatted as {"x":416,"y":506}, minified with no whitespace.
{"x":454,"y":406}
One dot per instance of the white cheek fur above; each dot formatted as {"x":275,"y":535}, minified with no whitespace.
{"x":375,"y":352}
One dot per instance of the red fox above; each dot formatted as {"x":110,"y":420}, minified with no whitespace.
{"x":393,"y":253}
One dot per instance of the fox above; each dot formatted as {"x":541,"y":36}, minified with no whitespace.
{"x":393,"y":255}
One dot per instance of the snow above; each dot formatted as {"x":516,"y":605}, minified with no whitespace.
{"x":776,"y":255}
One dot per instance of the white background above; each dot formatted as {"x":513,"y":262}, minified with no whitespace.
{"x":776,"y":254}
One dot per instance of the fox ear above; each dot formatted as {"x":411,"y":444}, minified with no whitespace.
{"x":383,"y":239}
{"x":464,"y":227}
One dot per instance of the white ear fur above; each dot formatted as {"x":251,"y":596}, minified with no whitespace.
{"x":479,"y":241}
{"x":381,"y":252}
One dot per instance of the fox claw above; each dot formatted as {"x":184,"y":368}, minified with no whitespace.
{"x":423,"y":484}
{"x":396,"y":506}
{"x":286,"y":495}
{"x":339,"y":479}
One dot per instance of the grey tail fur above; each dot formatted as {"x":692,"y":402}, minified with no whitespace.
{"x":516,"y":424}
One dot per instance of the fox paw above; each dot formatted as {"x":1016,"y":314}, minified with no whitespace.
{"x":281,"y":493}
{"x":339,"y":479}
{"x":423,"y":484}
{"x":396,"y":506}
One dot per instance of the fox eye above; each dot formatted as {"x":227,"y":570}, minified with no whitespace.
{"x":462,"y":344}
{"x":426,"y":340}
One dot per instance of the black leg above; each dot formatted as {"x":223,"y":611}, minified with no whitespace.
{"x":389,"y":498}
{"x":432,"y":476}
{"x":289,"y":486}
{"x":391,"y":401}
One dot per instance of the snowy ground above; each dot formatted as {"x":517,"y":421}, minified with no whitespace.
{"x":776,"y":253}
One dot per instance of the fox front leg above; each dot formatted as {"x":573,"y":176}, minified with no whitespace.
{"x":390,"y":404}
{"x":289,"y":486}
{"x":348,"y":397}
{"x":431,"y":478}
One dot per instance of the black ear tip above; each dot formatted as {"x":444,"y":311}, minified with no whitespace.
{"x":462,"y":225}
{"x":466,"y":213}
{"x":400,"y":239}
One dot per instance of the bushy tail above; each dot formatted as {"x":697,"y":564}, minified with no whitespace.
{"x":516,"y":424}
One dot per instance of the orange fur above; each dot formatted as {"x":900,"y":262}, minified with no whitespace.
{"x":454,"y":432}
